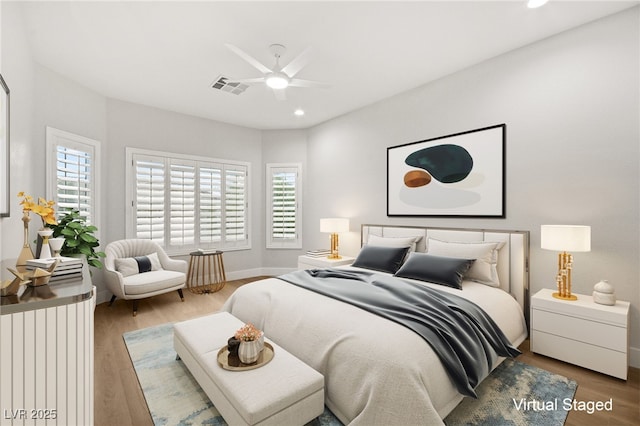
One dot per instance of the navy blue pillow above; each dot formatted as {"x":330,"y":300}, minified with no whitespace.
{"x":144,"y":263}
{"x":447,"y":271}
{"x":383,"y":259}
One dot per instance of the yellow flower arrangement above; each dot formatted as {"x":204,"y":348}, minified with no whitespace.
{"x":43,"y":208}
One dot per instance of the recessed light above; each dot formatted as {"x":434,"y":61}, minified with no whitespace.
{"x":532,"y":4}
{"x":299,"y":112}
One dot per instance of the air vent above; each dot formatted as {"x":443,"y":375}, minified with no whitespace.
{"x":222,"y":83}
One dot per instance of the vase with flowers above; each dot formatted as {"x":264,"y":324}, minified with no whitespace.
{"x":44,"y":209}
{"x":251,"y":343}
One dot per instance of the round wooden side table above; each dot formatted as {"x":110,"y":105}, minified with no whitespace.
{"x":206,"y":272}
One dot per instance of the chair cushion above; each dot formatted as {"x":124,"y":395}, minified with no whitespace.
{"x":153,"y":281}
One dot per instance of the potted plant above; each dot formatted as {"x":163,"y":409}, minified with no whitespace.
{"x":79,"y":238}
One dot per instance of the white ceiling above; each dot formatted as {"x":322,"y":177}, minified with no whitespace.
{"x":166,"y":54}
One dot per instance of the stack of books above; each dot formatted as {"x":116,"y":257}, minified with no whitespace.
{"x":318,"y":253}
{"x":68,"y":269}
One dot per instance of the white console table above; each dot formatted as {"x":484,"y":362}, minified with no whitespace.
{"x":46,"y":354}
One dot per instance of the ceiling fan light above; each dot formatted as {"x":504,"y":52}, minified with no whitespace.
{"x":276,"y":81}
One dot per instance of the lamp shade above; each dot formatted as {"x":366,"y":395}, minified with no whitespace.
{"x":565,"y":237}
{"x":334,"y":225}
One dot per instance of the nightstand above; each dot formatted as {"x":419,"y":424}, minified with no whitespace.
{"x":308,"y":262}
{"x":581,"y":332}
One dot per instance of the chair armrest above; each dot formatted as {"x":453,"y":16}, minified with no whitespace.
{"x":115,"y":283}
{"x":174,"y":265}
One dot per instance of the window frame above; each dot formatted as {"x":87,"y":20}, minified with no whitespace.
{"x":56,"y":137}
{"x":131,"y":154}
{"x":270,"y":170}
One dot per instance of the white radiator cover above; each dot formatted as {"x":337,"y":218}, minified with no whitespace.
{"x":46,"y":365}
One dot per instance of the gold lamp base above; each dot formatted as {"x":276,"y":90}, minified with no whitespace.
{"x":334,"y":247}
{"x":569,"y":297}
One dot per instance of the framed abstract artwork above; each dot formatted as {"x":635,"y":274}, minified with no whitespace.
{"x":458,"y":175}
{"x":4,"y":149}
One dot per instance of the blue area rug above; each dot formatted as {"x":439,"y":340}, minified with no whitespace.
{"x":175,"y":398}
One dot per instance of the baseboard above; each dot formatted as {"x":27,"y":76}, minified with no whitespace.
{"x":103,"y":296}
{"x":634,"y":357}
{"x":256,"y":272}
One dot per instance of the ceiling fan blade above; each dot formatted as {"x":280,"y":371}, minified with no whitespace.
{"x":296,"y":82}
{"x":280,"y":94}
{"x":293,"y":67}
{"x":251,"y":60}
{"x":258,"y":80}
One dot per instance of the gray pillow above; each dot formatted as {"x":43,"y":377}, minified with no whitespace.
{"x":441,"y":270}
{"x":383,"y":259}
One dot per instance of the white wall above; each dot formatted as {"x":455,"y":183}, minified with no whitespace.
{"x":18,"y":71}
{"x":571,"y":105}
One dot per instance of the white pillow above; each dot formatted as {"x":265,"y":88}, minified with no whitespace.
{"x":410,"y":242}
{"x":483,"y":270}
{"x":129,"y":265}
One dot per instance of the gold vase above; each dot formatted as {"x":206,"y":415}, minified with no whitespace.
{"x":25,"y":253}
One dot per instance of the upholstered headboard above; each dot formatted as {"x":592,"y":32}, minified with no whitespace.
{"x":513,"y":256}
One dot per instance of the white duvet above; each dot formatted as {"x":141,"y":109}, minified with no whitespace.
{"x":376,"y":371}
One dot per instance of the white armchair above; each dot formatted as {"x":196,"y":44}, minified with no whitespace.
{"x":125,"y":280}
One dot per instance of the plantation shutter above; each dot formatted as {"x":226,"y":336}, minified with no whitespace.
{"x":72,"y":174}
{"x":283,"y":201}
{"x":210,"y":195}
{"x":149,"y":198}
{"x":183,"y":203}
{"x":235,"y":205}
{"x":74,"y":187}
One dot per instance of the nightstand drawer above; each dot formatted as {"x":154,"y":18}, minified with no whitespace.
{"x":593,"y":357}
{"x":591,"y":332}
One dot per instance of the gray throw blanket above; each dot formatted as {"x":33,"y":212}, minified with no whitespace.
{"x":464,"y":337}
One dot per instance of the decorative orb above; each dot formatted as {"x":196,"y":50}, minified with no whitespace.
{"x":416,"y":178}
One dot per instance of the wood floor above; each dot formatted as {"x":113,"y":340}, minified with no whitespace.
{"x":119,"y":400}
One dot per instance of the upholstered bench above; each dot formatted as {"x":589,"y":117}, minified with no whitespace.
{"x":284,"y":391}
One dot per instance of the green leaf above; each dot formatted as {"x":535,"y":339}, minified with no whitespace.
{"x":68,"y":232}
{"x":88,"y":238}
{"x":72,"y":243}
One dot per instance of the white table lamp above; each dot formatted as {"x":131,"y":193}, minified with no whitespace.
{"x":564,"y":238}
{"x":334,"y":225}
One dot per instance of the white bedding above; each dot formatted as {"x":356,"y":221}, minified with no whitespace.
{"x":376,"y":371}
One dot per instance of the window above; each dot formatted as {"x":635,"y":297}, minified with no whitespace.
{"x":185,"y":202}
{"x":283,"y":205}
{"x":72,"y":170}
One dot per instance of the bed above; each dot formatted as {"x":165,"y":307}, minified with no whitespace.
{"x":376,"y":370}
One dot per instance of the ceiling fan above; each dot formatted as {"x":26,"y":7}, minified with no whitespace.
{"x":278,"y":77}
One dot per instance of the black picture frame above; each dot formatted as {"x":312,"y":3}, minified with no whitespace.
{"x":4,"y":149}
{"x":457,"y":175}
